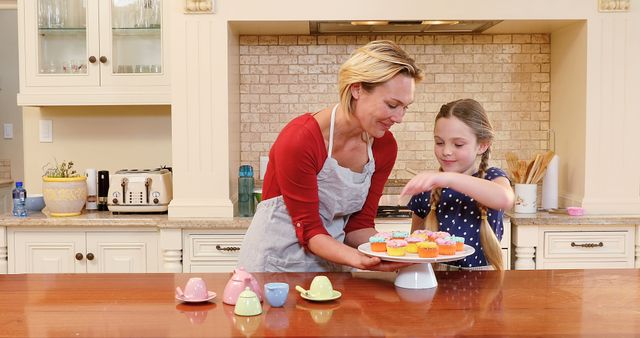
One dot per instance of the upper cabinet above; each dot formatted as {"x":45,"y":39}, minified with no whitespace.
{"x":93,"y":52}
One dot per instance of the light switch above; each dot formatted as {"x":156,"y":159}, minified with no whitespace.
{"x":8,"y":131}
{"x":46,"y":131}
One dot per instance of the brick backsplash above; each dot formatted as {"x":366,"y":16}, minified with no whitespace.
{"x":284,"y":76}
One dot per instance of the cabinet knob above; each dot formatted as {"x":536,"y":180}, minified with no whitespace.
{"x":228,"y":248}
{"x":90,"y":256}
{"x":92,"y":59}
{"x":79,"y":256}
{"x":103,"y":59}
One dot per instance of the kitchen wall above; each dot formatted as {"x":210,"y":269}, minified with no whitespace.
{"x":101,"y":137}
{"x":206,"y":77}
{"x":10,"y":149}
{"x":282,"y":76}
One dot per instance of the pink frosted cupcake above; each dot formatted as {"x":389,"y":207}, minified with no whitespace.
{"x":396,"y":247}
{"x":412,"y":244}
{"x":424,"y":234}
{"x":446,"y":246}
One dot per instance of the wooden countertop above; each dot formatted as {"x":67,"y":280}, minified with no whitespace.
{"x":532,"y":303}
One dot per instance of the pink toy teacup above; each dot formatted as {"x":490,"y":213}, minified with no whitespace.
{"x":196,"y":289}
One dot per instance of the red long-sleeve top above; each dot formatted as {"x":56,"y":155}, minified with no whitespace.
{"x":296,"y":158}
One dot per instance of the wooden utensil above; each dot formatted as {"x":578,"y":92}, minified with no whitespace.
{"x":547,"y":157}
{"x":512,"y":164}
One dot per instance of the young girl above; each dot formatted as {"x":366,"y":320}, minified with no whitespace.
{"x":464,"y":198}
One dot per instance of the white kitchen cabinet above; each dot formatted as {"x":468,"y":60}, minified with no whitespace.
{"x":75,"y":52}
{"x":78,"y":251}
{"x":576,"y":246}
{"x":6,"y":200}
{"x":211,"y":250}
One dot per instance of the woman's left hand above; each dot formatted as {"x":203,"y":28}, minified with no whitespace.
{"x":376,"y":264}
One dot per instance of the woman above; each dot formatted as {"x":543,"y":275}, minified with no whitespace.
{"x":327,"y":171}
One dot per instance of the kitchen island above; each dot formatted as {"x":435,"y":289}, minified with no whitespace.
{"x":531,"y":303}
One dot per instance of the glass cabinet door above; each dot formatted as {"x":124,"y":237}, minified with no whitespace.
{"x":136,"y":37}
{"x":62,"y":37}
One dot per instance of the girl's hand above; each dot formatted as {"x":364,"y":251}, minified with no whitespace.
{"x":425,"y":181}
{"x":376,"y":264}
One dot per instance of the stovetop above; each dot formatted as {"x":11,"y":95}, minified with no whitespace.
{"x":393,"y":211}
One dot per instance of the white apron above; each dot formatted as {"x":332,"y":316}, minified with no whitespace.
{"x":271,"y":245}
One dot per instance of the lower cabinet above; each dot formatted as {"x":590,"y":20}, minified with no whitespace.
{"x":575,"y":247}
{"x":211,"y":250}
{"x":80,"y":251}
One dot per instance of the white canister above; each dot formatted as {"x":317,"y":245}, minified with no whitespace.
{"x":92,"y":189}
{"x":526,"y":195}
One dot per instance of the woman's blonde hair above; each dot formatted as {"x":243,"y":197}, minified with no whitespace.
{"x":471,"y":113}
{"x":373,"y":64}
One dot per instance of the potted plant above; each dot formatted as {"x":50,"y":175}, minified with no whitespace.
{"x":64,"y":190}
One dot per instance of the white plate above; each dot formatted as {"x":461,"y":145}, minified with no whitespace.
{"x":336,"y":295}
{"x":212,"y":295}
{"x":414,"y":258}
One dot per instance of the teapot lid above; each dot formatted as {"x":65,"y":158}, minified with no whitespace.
{"x":247,"y":293}
{"x":240,"y":274}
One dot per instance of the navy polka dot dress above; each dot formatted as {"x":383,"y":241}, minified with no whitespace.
{"x":458,"y":214}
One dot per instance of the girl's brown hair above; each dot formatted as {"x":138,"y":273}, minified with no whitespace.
{"x":471,"y":113}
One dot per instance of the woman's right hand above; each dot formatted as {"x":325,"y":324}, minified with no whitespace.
{"x":376,"y":264}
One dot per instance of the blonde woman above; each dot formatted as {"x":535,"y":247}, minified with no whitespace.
{"x":327,"y":170}
{"x":465,"y":197}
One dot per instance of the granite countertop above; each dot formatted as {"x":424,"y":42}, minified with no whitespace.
{"x":109,"y":219}
{"x":4,"y":182}
{"x":546,"y":218}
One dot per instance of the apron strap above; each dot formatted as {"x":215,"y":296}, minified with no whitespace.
{"x":333,"y":120}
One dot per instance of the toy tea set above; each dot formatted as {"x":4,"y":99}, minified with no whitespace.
{"x":244,"y":292}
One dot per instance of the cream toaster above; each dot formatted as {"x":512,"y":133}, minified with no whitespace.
{"x":145,"y":190}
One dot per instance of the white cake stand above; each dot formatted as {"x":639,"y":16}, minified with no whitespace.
{"x":420,"y":275}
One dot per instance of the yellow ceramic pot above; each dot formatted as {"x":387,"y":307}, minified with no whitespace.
{"x":64,"y":196}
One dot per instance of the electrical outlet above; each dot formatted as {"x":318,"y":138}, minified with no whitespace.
{"x":8,"y":131}
{"x":46,"y":131}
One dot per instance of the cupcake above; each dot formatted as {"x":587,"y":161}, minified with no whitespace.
{"x":412,"y":244}
{"x":378,"y":243}
{"x":424,"y":234}
{"x":399,"y":234}
{"x":428,"y":250}
{"x":442,"y":234}
{"x":459,"y":242}
{"x":446,"y":246}
{"x":386,"y":235}
{"x":396,"y":247}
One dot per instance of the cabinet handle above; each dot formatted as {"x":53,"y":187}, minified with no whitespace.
{"x":228,"y":248}
{"x":103,"y":59}
{"x":588,"y":245}
{"x":79,"y":256}
{"x":92,"y":59}
{"x":90,"y":256}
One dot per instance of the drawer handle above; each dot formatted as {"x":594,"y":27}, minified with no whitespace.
{"x":588,"y":245}
{"x":228,"y":248}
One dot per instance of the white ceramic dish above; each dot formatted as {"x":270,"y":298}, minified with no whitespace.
{"x":414,"y":258}
{"x":420,"y":275}
{"x":211,"y":296}
{"x":336,"y":295}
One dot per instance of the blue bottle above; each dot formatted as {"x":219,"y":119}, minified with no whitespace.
{"x":245,"y":191}
{"x":19,"y":198}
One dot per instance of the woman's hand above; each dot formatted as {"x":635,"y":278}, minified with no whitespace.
{"x":376,"y":264}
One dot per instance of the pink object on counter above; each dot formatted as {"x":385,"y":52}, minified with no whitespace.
{"x":237,"y":283}
{"x":575,"y":211}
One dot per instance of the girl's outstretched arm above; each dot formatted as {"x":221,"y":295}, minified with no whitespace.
{"x":495,"y":194}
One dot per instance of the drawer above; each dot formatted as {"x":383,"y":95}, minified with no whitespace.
{"x":596,"y":245}
{"x":219,"y":246}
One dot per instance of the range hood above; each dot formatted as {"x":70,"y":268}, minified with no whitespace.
{"x":384,"y":26}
